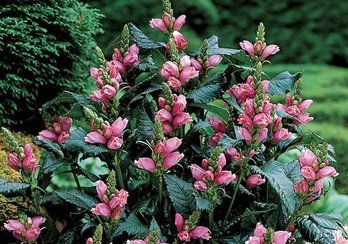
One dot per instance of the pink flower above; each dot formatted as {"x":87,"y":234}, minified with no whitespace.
{"x":200,"y":185}
{"x":305,"y":104}
{"x":89,"y":240}
{"x":181,"y":119}
{"x":184,"y":236}
{"x":146,"y":163}
{"x":254,"y":180}
{"x":174,"y":83}
{"x":101,"y":190}
{"x":302,"y":187}
{"x":47,"y":135}
{"x":13,"y":161}
{"x":179,"y":40}
{"x":260,"y":230}
{"x":245,"y":120}
{"x":164,"y":115}
{"x":179,"y":105}
{"x":179,"y":221}
{"x":245,"y":134}
{"x":308,"y":172}
{"x":281,"y":237}
{"x":307,"y":158}
{"x":119,"y":200}
{"x":94,"y":138}
{"x":318,"y":186}
{"x":187,"y":74}
{"x":32,"y":233}
{"x":327,"y":171}
{"x":29,"y":162}
{"x":197,"y":171}
{"x":232,"y":154}
{"x":262,"y":134}
{"x":171,"y":144}
{"x":254,"y":240}
{"x":262,"y":119}
{"x":28,"y":232}
{"x":172,"y":159}
{"x":179,"y":22}
{"x":225,"y":177}
{"x":14,"y":226}
{"x":222,"y":160}
{"x":213,"y":61}
{"x":114,"y":143}
{"x":169,"y":69}
{"x":102,"y":209}
{"x":280,"y":135}
{"x":118,"y":126}
{"x":200,"y":232}
{"x":248,"y":47}
{"x":108,"y":91}
{"x":269,"y":50}
{"x":214,"y":140}
{"x":218,"y":125}
{"x":196,"y":65}
{"x":158,"y":24}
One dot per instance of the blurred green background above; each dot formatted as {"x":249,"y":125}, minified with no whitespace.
{"x":312,"y":36}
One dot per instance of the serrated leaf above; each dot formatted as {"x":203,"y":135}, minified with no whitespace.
{"x":132,"y":225}
{"x":214,"y":109}
{"x":77,"y":198}
{"x":227,"y":142}
{"x":283,"y":83}
{"x":142,"y":40}
{"x":313,"y":233}
{"x":147,"y":64}
{"x":202,"y":203}
{"x":50,"y":146}
{"x":144,"y":125}
{"x":76,"y":143}
{"x":51,"y":163}
{"x":180,"y":192}
{"x":213,"y":47}
{"x":332,"y":221}
{"x":204,"y":94}
{"x":12,"y":189}
{"x":302,"y":140}
{"x":233,"y":102}
{"x":281,"y":184}
{"x":292,"y":171}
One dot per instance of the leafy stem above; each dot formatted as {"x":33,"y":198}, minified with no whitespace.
{"x":118,"y":172}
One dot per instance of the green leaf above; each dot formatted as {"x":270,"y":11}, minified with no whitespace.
{"x":292,"y":171}
{"x":281,"y":184}
{"x":12,"y":189}
{"x":51,"y":163}
{"x":142,"y":40}
{"x":132,"y":225}
{"x":205,"y":93}
{"x":213,"y":47}
{"x":283,"y":83}
{"x":302,"y":140}
{"x":76,"y":143}
{"x":214,"y":109}
{"x":77,"y":198}
{"x":202,"y":203}
{"x":50,"y":146}
{"x":233,"y":103}
{"x":180,"y":192}
{"x":332,"y":221}
{"x":147,"y":64}
{"x":312,"y":232}
{"x":144,"y":125}
{"x":227,"y":142}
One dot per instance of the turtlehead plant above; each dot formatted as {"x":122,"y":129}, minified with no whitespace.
{"x":192,"y":147}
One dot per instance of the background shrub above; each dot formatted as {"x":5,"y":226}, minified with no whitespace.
{"x":307,"y":32}
{"x":45,"y":48}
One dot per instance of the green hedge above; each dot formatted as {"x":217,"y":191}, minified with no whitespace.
{"x":45,"y":47}
{"x":307,"y":31}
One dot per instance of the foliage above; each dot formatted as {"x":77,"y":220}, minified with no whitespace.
{"x":191,"y":153}
{"x":45,"y":48}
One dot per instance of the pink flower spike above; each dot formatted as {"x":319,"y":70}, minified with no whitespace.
{"x":200,"y":232}
{"x":15,"y":226}
{"x":172,"y":159}
{"x":248,"y":47}
{"x":254,"y":181}
{"x":95,"y":138}
{"x":225,"y":177}
{"x":318,"y":186}
{"x":167,"y":19}
{"x":308,"y":172}
{"x":102,"y":209}
{"x":179,"y":40}
{"x":158,"y":24}
{"x":172,"y":144}
{"x":179,"y":105}
{"x":66,"y":123}
{"x":38,"y":220}
{"x":200,"y":185}
{"x":114,"y":143}
{"x":89,"y":240}
{"x":169,"y":69}
{"x":218,"y":125}
{"x":187,"y":74}
{"x":179,"y":221}
{"x":179,"y":22}
{"x":32,"y":233}
{"x":47,"y":135}
{"x":232,"y":154}
{"x":245,"y":134}
{"x":327,"y":171}
{"x":307,"y":158}
{"x":213,"y":61}
{"x":260,"y":230}
{"x":164,"y":115}
{"x":145,"y":163}
{"x":181,"y":119}
{"x":118,"y":126}
{"x":281,"y":237}
{"x":174,"y":83}
{"x":197,"y":171}
{"x":269,"y":50}
{"x":302,"y":187}
{"x":281,"y":135}
{"x":305,"y":104}
{"x":13,"y":161}
{"x":184,"y":236}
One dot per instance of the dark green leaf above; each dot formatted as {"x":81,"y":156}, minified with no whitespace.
{"x":332,"y":221}
{"x":227,"y":142}
{"x":281,"y":184}
{"x":68,"y":237}
{"x":132,"y":225}
{"x":12,"y":189}
{"x":311,"y":232}
{"x":142,"y":40}
{"x":77,"y":198}
{"x":283,"y":83}
{"x":144,"y":125}
{"x":213,"y":48}
{"x":232,"y":102}
{"x":202,"y":203}
{"x":50,"y":146}
{"x":292,"y":171}
{"x":205,"y":93}
{"x":214,"y":109}
{"x":51,"y":163}
{"x":180,"y":192}
{"x":147,"y":64}
{"x":76,"y":143}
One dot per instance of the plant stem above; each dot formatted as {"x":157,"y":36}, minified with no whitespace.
{"x":118,"y":172}
{"x":267,"y":191}
{"x":233,"y":198}
{"x":160,"y":190}
{"x":211,"y":219}
{"x":75,"y":178}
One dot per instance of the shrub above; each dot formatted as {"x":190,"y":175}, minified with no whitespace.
{"x":192,"y":152}
{"x":45,"y":47}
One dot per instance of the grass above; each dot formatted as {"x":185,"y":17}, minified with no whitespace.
{"x":328,"y":87}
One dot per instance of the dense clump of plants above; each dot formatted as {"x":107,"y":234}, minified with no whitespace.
{"x":192,"y":145}
{"x":45,"y":49}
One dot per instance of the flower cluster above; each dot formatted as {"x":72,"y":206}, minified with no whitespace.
{"x":211,"y":174}
{"x":25,"y":160}
{"x":109,"y":135}
{"x":108,"y":78}
{"x":177,"y":75}
{"x":163,"y":157}
{"x":279,"y":133}
{"x":188,"y":230}
{"x":26,"y":231}
{"x":313,"y":170}
{"x":112,"y":202}
{"x":296,"y":109}
{"x":171,"y":113}
{"x":259,"y":49}
{"x":58,"y":131}
{"x":262,"y":236}
{"x":219,"y":128}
